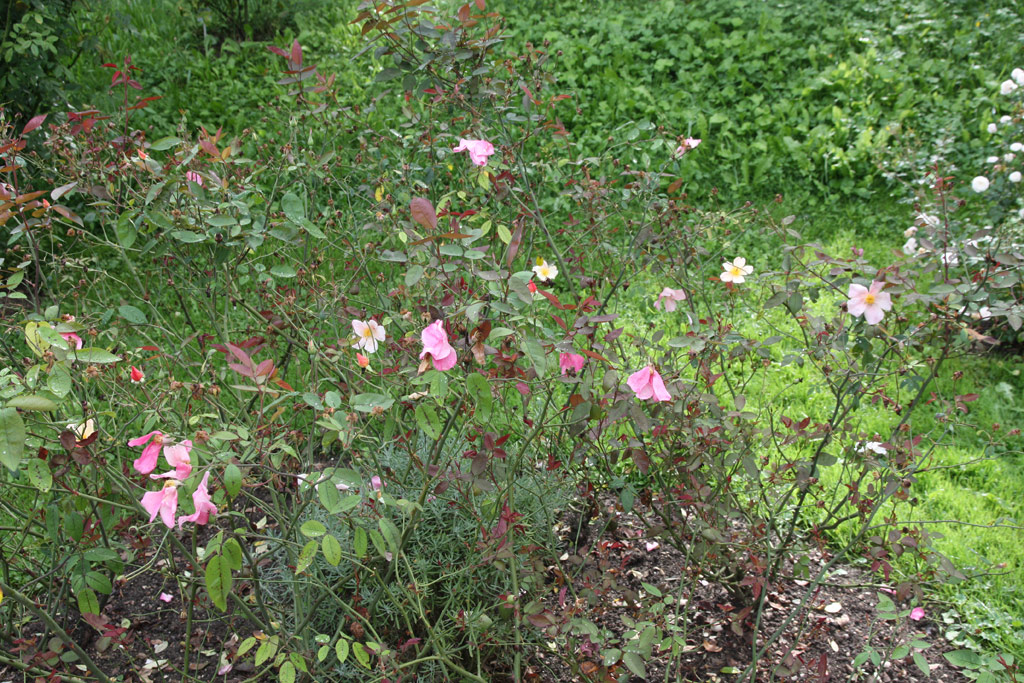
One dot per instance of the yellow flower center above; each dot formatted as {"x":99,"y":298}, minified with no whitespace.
{"x":735,"y":271}
{"x":367,"y":332}
{"x":869,"y":299}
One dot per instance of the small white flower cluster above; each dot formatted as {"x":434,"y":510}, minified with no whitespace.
{"x":1015,"y":80}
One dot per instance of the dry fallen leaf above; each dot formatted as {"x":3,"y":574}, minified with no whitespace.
{"x":711,"y":647}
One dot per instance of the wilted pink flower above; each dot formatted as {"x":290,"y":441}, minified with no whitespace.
{"x":146,"y":462}
{"x":869,"y":302}
{"x":571,"y":361}
{"x":163,"y":502}
{"x":376,"y":482}
{"x":647,"y":384}
{"x":201,"y":501}
{"x":669,"y":297}
{"x":688,"y":144}
{"x":436,"y":346}
{"x":532,"y":286}
{"x":166,"y":597}
{"x":194,"y":177}
{"x":137,"y":375}
{"x":362,"y":361}
{"x":72,"y":339}
{"x":177,"y":456}
{"x":652,"y":546}
{"x":917,"y":613}
{"x":478,"y":150}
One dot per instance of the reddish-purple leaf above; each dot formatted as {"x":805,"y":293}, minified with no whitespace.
{"x":423,"y":212}
{"x":264,"y":368}
{"x":33,"y":123}
{"x":277,"y":51}
{"x":296,"y":57}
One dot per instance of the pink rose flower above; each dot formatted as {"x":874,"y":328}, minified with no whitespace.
{"x":478,"y":150}
{"x":688,"y":144}
{"x":146,"y":462}
{"x":670,"y":297}
{"x":871,"y":302}
{"x":177,"y":456}
{"x":201,"y":500}
{"x":163,"y":502}
{"x":647,"y":384}
{"x":436,"y":346}
{"x":571,"y":361}
{"x":72,"y":339}
{"x":917,"y":614}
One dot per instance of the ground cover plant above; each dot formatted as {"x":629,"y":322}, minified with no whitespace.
{"x":406,"y":389}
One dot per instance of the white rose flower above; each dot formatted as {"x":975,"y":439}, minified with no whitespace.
{"x":1016,"y":147}
{"x":1018,"y":75}
{"x":979,"y":184}
{"x":1015,"y":177}
{"x":1007,"y":87}
{"x":910,"y":232}
{"x":993,"y":128}
{"x":910,"y":246}
{"x":992,"y":160}
{"x":1005,"y":118}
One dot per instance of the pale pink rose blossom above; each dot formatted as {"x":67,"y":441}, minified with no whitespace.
{"x":478,"y":150}
{"x":436,"y":346}
{"x":368,"y":334}
{"x":736,"y":272}
{"x":72,"y":339}
{"x":571,"y":362}
{"x":201,"y":501}
{"x":163,"y":502}
{"x":647,"y":384}
{"x":688,"y":144}
{"x":670,"y":297}
{"x":146,"y":462}
{"x":166,"y":597}
{"x":871,"y":302}
{"x":177,"y":456}
{"x":917,"y":614}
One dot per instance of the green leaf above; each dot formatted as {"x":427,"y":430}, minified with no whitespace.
{"x":362,"y":656}
{"x":341,"y":650}
{"x":39,"y":474}
{"x":480,"y":392}
{"x":31,"y":402}
{"x":306,"y":557}
{"x":922,"y":664}
{"x":292,"y":207}
{"x":312,"y":529}
{"x":359,"y":542}
{"x":218,"y":581}
{"x":232,"y":480}
{"x":94,"y":355}
{"x":59,"y":381}
{"x":126,"y":233}
{"x":132,"y":315}
{"x":365,"y":403}
{"x":12,"y":438}
{"x":428,"y":422}
{"x":390,"y":533}
{"x":413,"y":275}
{"x":535,"y":352}
{"x":164,"y":143}
{"x":266,"y":650}
{"x":231,"y":551}
{"x":282,"y":271}
{"x":246,"y":645}
{"x":88,"y":603}
{"x":329,"y":497}
{"x":611,"y":656}
{"x":635,"y":663}
{"x":286,"y":674}
{"x":963,"y":658}
{"x":98,"y":582}
{"x":332,"y":550}
{"x":378,"y":542}
{"x":187,"y":236}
